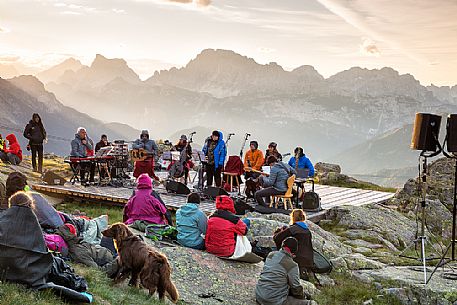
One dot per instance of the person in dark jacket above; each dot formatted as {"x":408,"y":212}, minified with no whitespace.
{"x":13,"y":153}
{"x":279,"y":282}
{"x":185,"y":157}
{"x":272,"y":151}
{"x":300,"y":161}
{"x":191,"y":223}
{"x":298,"y":229}
{"x":276,"y":183}
{"x":215,"y":152}
{"x":36,"y":134}
{"x":102,"y":143}
{"x":223,"y":226}
{"x":81,"y":146}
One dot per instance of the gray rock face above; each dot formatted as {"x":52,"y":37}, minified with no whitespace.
{"x":390,"y":224}
{"x":322,"y":167}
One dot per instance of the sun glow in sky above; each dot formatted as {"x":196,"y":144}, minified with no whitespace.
{"x":412,"y":36}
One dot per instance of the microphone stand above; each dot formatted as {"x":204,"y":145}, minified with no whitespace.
{"x":244,"y":144}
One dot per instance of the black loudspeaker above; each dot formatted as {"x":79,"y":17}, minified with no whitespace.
{"x":426,"y":131}
{"x":451,"y":129}
{"x":213,"y":192}
{"x":177,"y":187}
{"x":52,"y":178}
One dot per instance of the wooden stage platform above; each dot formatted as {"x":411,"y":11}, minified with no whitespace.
{"x":331,"y":196}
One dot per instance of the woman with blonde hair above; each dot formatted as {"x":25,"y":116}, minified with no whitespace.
{"x":298,"y":229}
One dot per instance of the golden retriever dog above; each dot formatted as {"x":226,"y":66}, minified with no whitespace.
{"x":139,"y":260}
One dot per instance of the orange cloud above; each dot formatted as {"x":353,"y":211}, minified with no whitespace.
{"x":368,"y":47}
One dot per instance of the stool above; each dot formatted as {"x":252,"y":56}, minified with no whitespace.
{"x":230,"y":178}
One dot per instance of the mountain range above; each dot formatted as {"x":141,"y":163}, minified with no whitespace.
{"x":22,"y":96}
{"x":358,"y":117}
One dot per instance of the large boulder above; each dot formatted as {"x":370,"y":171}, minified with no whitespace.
{"x":390,"y":224}
{"x":322,"y":167}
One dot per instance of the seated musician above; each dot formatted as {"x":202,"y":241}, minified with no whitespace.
{"x":146,"y":166}
{"x":103,"y":142}
{"x":301,"y":161}
{"x":104,"y":172}
{"x":82,"y":147}
{"x":272,"y":151}
{"x":253,"y":160}
{"x":180,"y":146}
{"x":276,"y":183}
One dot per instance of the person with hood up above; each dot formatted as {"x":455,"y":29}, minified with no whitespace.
{"x":215,"y":152}
{"x":276,"y":183}
{"x":301,"y":161}
{"x":143,"y":206}
{"x":279,"y":282}
{"x":13,"y":153}
{"x":36,"y":134}
{"x":146,"y":166}
{"x":253,"y":160}
{"x":223,"y":227}
{"x":298,"y":229}
{"x":80,"y":146}
{"x":191,"y":223}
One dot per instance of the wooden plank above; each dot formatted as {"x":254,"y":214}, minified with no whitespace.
{"x":346,"y":193}
{"x":370,"y":198}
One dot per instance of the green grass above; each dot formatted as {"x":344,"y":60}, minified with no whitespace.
{"x":347,"y":290}
{"x":93,"y":210}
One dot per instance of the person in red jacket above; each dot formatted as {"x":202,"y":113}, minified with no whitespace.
{"x":12,"y":154}
{"x":223,"y":226}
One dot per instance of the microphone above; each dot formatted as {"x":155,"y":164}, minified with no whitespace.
{"x":193,"y":132}
{"x":231,"y":134}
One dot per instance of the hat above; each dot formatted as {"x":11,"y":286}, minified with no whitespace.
{"x":144,"y":182}
{"x":291,"y":243}
{"x":224,"y":202}
{"x":215,"y":133}
{"x":183,"y":137}
{"x":144,"y":132}
{"x":256,"y":145}
{"x":272,"y":144}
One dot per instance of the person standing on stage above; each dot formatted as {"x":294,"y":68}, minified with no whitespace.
{"x":215,"y":152}
{"x":36,"y":134}
{"x":146,"y":166}
{"x":80,"y":146}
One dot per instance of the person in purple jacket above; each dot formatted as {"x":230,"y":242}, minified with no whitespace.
{"x":143,"y":206}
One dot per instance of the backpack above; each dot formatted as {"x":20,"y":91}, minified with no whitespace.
{"x":320,"y":263}
{"x":158,"y":232}
{"x":56,"y":243}
{"x":311,"y":201}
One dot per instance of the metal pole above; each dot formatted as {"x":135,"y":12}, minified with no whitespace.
{"x":454,"y":213}
{"x":423,"y":260}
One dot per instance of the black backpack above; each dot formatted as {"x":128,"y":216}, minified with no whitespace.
{"x":311,"y":201}
{"x":321,"y":264}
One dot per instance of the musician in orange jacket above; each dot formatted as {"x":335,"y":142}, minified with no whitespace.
{"x":253,"y":159}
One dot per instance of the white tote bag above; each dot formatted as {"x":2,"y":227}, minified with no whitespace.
{"x":242,"y":247}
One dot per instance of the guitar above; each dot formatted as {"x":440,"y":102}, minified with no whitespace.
{"x":140,"y":154}
{"x":250,"y":169}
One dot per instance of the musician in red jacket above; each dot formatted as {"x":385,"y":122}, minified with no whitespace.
{"x":13,"y":153}
{"x":223,"y":226}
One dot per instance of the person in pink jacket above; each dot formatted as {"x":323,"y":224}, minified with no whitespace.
{"x":143,"y":206}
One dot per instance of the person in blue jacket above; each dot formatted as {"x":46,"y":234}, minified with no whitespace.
{"x":215,"y":152}
{"x":191,"y":223}
{"x":303,"y":162}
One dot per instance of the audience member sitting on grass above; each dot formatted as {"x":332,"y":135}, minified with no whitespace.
{"x":298,"y":229}
{"x":13,"y":153}
{"x":191,"y":223}
{"x":143,"y":208}
{"x":223,"y":226}
{"x":279,"y":282}
{"x":47,"y":215}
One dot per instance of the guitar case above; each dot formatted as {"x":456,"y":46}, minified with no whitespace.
{"x":311,"y":201}
{"x":177,"y":187}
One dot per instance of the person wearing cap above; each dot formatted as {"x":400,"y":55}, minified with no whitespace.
{"x":298,"y":229}
{"x":191,"y":223}
{"x":272,"y":151}
{"x":276,"y":182}
{"x":150,"y":146}
{"x":279,"y":282}
{"x":143,"y":206}
{"x":223,"y":227}
{"x":184,"y":148}
{"x":215,"y":152}
{"x":253,"y":160}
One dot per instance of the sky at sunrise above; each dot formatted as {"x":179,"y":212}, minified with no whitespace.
{"x":412,"y":36}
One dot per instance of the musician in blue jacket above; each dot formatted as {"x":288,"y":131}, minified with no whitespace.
{"x":303,"y":161}
{"x":215,"y":152}
{"x":146,"y":166}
